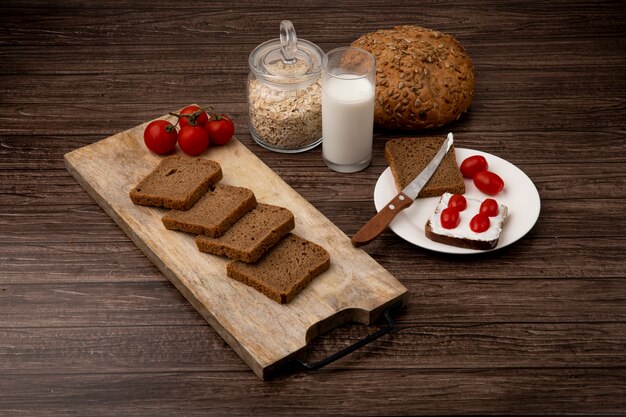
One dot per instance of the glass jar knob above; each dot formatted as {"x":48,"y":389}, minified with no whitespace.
{"x":288,"y":42}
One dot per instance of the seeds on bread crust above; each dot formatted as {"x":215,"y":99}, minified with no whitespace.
{"x":429,"y":66}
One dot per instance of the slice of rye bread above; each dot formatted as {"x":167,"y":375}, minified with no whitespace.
{"x":462,"y":236}
{"x":285,"y":270}
{"x":252,"y":236}
{"x":177,"y":182}
{"x":214,"y":213}
{"x":408,"y":156}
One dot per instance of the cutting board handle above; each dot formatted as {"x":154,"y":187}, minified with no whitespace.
{"x":357,"y":345}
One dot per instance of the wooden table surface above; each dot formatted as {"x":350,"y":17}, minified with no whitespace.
{"x":88,"y":326}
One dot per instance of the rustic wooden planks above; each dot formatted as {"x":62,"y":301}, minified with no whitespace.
{"x":428,"y":392}
{"x":262,"y":332}
{"x":88,"y":326}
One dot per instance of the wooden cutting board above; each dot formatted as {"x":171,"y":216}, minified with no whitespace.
{"x":263,"y":332}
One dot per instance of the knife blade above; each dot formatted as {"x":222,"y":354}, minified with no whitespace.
{"x":402,"y":200}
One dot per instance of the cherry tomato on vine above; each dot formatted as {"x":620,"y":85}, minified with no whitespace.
{"x":160,"y":136}
{"x":196,"y":118}
{"x":473,"y":165}
{"x":193,"y":140}
{"x":488,"y":182}
{"x":489,"y":207}
{"x":457,"y":201}
{"x":221,"y":129}
{"x":480,"y":223}
{"x":450,"y":218}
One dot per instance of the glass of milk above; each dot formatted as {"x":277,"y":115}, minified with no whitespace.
{"x":348,"y":85}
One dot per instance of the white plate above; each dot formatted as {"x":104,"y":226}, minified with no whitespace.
{"x":519,"y":194}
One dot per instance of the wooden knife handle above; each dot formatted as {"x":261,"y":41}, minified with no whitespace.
{"x":381,"y":220}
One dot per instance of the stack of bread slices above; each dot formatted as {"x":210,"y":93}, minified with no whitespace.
{"x":228,"y":221}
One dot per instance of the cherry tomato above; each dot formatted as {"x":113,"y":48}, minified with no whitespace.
{"x":221,"y":129}
{"x":488,"y":182}
{"x":160,"y":136}
{"x":193,"y":140}
{"x":489,"y":207}
{"x":457,"y":201}
{"x":197,"y":118}
{"x":473,"y":165}
{"x":450,"y":218}
{"x":480,"y":223}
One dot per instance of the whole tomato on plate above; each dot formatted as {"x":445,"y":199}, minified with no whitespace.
{"x":160,"y":136}
{"x":473,"y":165}
{"x":220,"y":128}
{"x":488,"y":182}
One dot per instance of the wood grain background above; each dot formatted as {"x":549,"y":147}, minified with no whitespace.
{"x":88,"y":326}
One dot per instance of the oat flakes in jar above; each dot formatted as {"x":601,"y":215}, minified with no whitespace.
{"x":285,"y":93}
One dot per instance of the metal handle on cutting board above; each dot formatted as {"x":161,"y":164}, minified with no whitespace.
{"x":332,"y":358}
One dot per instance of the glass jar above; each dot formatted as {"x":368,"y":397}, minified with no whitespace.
{"x":285,"y":94}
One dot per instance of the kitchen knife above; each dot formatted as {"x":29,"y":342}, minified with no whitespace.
{"x":404,"y":199}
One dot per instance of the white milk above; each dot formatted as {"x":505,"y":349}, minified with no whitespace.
{"x":347,"y":120}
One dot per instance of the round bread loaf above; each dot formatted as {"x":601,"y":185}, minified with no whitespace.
{"x":424,"y":78}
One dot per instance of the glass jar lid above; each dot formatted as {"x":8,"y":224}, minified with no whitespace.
{"x":287,"y":62}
